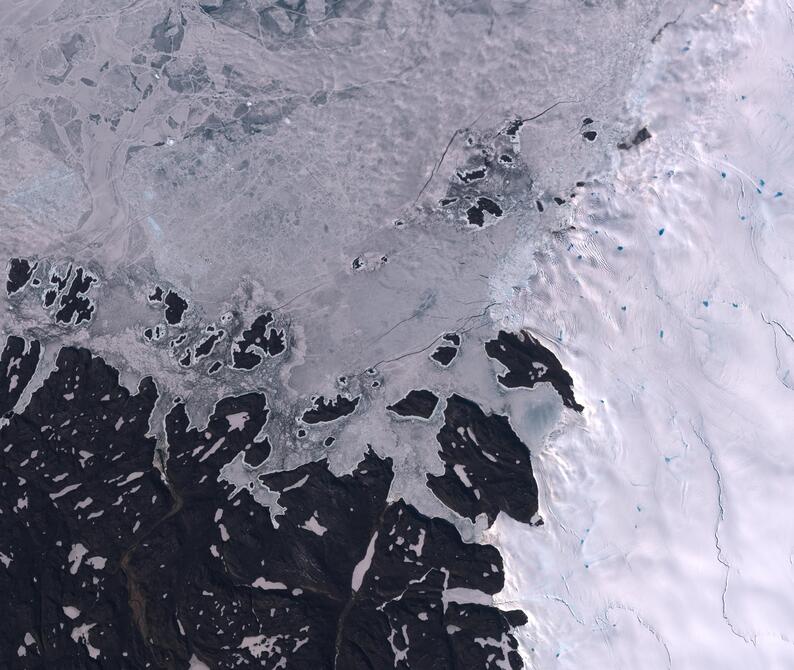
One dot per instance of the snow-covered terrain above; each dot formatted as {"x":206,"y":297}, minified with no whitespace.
{"x":669,"y":540}
{"x":364,"y":333}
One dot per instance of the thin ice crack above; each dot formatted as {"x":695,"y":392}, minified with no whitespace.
{"x":772,"y":323}
{"x":570,"y":609}
{"x":659,"y":32}
{"x":465,"y":320}
{"x":720,"y":519}
{"x":646,"y":626}
{"x":548,"y":109}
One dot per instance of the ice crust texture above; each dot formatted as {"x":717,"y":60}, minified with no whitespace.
{"x":370,"y":334}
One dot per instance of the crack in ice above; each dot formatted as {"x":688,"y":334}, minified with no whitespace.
{"x":717,"y":543}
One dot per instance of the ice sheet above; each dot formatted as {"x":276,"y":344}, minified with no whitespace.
{"x":669,"y":537}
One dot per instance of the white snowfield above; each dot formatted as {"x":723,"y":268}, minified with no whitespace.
{"x":669,"y":535}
